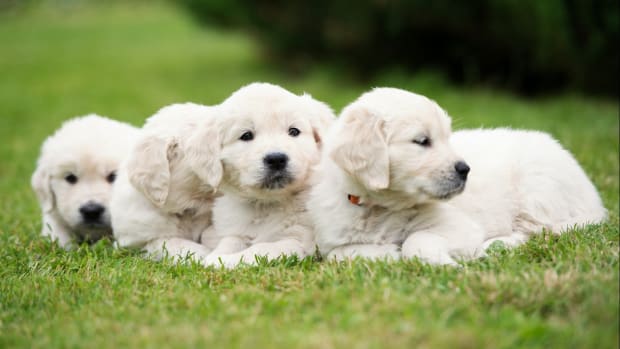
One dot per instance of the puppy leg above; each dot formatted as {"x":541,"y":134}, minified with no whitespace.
{"x":228,"y":245}
{"x":450,"y":233}
{"x":177,"y":248}
{"x":370,"y":251}
{"x":221,"y":245}
{"x":270,"y":250}
{"x":430,"y":248}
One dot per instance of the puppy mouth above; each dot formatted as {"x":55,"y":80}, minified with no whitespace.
{"x":91,"y":232}
{"x":449,"y":190}
{"x":274,"y":180}
{"x":89,"y":225}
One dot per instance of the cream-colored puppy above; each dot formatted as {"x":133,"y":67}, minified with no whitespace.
{"x":162,"y":202}
{"x":267,"y":143}
{"x":390,"y":168}
{"x":74,"y":177}
{"x":523,"y":182}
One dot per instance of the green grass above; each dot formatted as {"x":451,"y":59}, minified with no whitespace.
{"x":126,"y":62}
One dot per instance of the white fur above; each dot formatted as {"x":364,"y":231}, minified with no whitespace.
{"x":160,"y":202}
{"x":250,"y":220}
{"x":91,"y":148}
{"x":520,"y":183}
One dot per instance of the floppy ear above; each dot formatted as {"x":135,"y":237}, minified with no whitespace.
{"x":361,"y":148}
{"x":41,"y":183}
{"x":202,"y":152}
{"x":320,"y":125}
{"x":321,"y":121}
{"x":148,"y":168}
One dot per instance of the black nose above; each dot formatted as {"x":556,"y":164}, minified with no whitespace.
{"x":276,"y":161}
{"x":462,"y":169}
{"x":91,"y":212}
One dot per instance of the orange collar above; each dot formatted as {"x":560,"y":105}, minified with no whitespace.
{"x":355,"y":200}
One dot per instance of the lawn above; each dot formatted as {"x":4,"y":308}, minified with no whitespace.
{"x":126,"y":61}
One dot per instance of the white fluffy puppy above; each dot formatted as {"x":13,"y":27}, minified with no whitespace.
{"x":390,"y":167}
{"x":161,"y":202}
{"x":267,"y":144}
{"x":74,"y":176}
{"x":523,"y":182}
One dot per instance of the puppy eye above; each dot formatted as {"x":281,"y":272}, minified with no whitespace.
{"x":71,"y":178}
{"x":111,"y":177}
{"x":293,"y":132}
{"x":423,"y":141}
{"x":247,"y":136}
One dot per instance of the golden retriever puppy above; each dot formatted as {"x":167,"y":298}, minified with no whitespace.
{"x":267,"y":143}
{"x":391,"y":176}
{"x":75,"y":174}
{"x":161,"y":203}
{"x":523,"y":182}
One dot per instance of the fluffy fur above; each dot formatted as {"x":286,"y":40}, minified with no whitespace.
{"x":75,"y":174}
{"x":267,"y":144}
{"x":394,"y":151}
{"x":162,"y":202}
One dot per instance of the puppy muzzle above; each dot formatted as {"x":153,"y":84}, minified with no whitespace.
{"x":276,"y":173}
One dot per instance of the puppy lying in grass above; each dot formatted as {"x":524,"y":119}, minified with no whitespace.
{"x":75,"y":174}
{"x":262,"y":157}
{"x":393,"y":182}
{"x":161,"y":203}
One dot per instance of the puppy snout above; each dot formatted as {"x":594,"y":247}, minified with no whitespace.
{"x":276,"y":161}
{"x":462,"y":169}
{"x":91,"y":211}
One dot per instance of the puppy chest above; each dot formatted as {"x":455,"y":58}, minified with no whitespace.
{"x":379,"y":226}
{"x":272,"y":225}
{"x":191,"y":223}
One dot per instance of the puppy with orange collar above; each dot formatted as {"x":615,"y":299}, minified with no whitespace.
{"x":395,"y":182}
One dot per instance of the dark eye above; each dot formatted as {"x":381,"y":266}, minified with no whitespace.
{"x":111,"y":177}
{"x":71,"y":178}
{"x":293,"y":132}
{"x":423,"y":141}
{"x":247,"y":136}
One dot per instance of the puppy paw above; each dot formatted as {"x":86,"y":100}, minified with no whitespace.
{"x":221,"y":261}
{"x":429,"y":248}
{"x":441,"y":259}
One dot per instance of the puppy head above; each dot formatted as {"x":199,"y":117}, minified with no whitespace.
{"x":76,"y":170}
{"x":265,"y":142}
{"x":395,"y":141}
{"x":160,"y":165}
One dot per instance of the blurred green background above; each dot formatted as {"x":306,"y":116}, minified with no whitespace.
{"x":127,"y":59}
{"x":492,"y":64}
{"x":529,"y":46}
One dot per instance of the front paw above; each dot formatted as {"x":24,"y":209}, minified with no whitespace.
{"x":433,"y":257}
{"x":218,"y":262}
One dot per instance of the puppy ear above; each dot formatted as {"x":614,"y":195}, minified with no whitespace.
{"x":320,"y":125}
{"x":41,"y":183}
{"x":322,"y":120}
{"x":361,"y":148}
{"x":148,"y":168}
{"x":202,"y":151}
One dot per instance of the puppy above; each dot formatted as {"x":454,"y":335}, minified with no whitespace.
{"x":267,"y":144}
{"x":74,"y":176}
{"x":162,"y":202}
{"x":523,"y":182}
{"x":391,"y":176}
